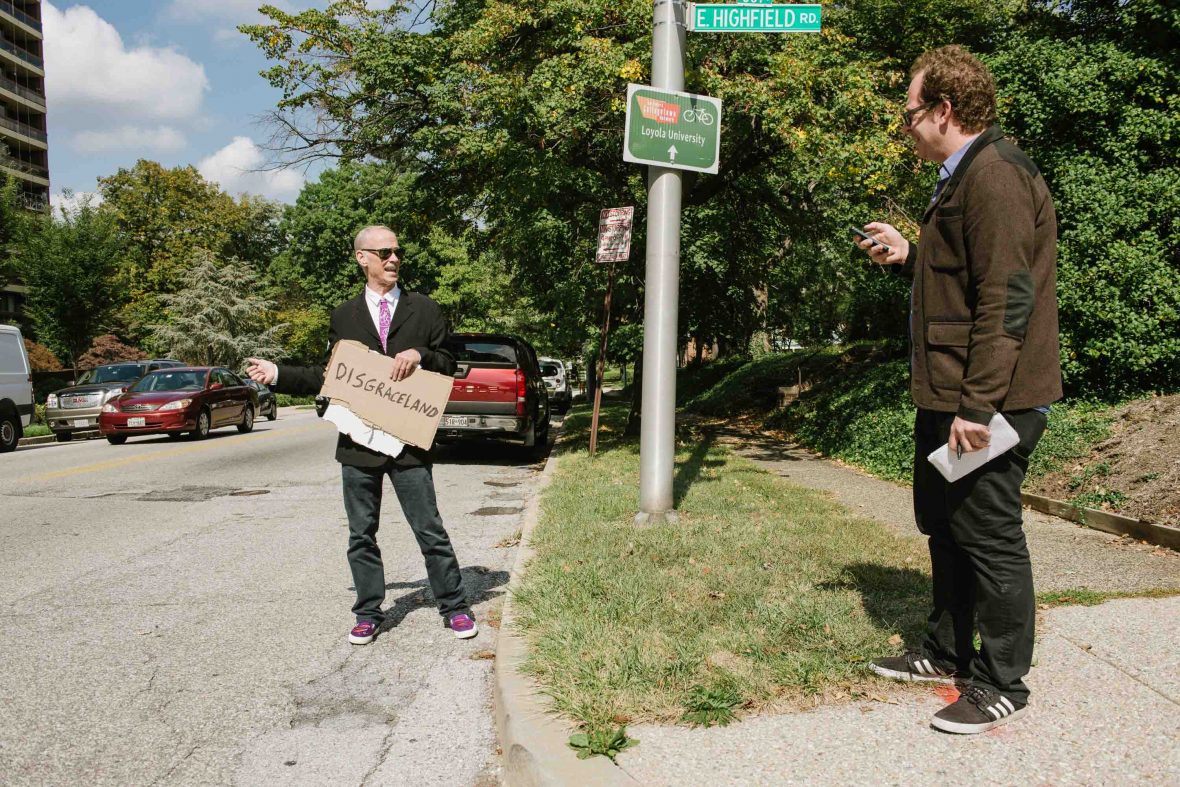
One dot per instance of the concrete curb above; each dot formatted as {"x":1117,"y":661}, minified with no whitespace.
{"x":48,"y":438}
{"x":533,"y":741}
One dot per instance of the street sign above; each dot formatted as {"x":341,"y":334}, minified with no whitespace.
{"x":614,"y":234}
{"x":753,"y":17}
{"x":668,"y":128}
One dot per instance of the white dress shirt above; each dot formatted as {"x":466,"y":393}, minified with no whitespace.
{"x":373,"y":301}
{"x":361,"y":432}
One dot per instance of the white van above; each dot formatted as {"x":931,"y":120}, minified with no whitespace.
{"x":16,"y":387}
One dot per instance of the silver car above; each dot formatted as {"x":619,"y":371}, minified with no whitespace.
{"x":76,"y":409}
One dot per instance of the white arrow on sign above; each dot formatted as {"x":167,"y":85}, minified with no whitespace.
{"x":672,"y":152}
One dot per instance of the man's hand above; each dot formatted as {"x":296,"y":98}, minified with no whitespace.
{"x":404,"y":364}
{"x":968,"y":435}
{"x":261,"y":371}
{"x":888,"y":235}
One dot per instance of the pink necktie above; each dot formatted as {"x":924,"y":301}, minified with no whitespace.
{"x":383,"y":319}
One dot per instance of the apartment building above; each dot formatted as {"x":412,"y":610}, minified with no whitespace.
{"x":24,"y":148}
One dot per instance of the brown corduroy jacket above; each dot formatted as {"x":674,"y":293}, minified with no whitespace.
{"x":983,"y":321}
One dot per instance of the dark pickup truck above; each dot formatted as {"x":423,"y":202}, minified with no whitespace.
{"x":498,"y":391}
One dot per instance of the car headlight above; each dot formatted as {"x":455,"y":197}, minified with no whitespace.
{"x":179,"y":404}
{"x":51,"y":401}
{"x":110,"y":407}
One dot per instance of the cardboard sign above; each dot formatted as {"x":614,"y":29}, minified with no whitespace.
{"x":408,"y":409}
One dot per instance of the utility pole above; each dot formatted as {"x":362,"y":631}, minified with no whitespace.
{"x":657,"y":438}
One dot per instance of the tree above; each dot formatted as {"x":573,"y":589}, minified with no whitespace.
{"x":164,"y":215}
{"x":218,"y":317}
{"x":15,"y":222}
{"x":108,"y":349}
{"x":1090,"y":89}
{"x":68,"y":265}
{"x":41,"y":358}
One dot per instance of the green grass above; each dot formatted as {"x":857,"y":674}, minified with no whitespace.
{"x":286,"y":400}
{"x":1085,"y":597}
{"x":763,"y":595}
{"x":37,"y":430}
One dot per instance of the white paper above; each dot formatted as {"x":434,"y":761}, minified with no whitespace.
{"x":1003,"y":438}
{"x":361,"y":433}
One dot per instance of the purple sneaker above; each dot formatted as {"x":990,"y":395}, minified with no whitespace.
{"x":362,"y":633}
{"x":463,"y":625}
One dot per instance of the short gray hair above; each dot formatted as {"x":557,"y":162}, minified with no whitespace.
{"x":358,"y":242}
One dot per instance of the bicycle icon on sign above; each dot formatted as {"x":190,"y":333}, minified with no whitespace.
{"x":700,"y":115}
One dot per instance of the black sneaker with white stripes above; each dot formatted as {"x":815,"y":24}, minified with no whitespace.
{"x":912,"y":666}
{"x":977,"y":710}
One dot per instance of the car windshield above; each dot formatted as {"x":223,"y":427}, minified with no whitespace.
{"x":480,"y":351}
{"x":117,"y":373}
{"x":171,"y":381}
{"x":549,"y":370}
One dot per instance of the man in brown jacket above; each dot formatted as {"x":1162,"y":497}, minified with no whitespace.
{"x":983,"y":327}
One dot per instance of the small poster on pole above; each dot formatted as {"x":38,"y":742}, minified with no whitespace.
{"x":614,"y":234}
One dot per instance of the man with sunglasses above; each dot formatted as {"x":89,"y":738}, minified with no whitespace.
{"x":410,"y":329}
{"x":983,"y":328}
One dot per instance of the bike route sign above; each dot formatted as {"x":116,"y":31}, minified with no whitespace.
{"x":667,"y":128}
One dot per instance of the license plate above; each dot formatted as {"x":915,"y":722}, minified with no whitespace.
{"x":81,"y":423}
{"x":454,"y":420}
{"x":136,"y":421}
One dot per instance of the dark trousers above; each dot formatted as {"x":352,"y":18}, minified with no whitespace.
{"x":415,"y":491}
{"x":981,"y":568}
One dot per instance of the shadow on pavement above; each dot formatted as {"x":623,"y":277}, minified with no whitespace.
{"x":489,"y":453}
{"x":481,"y":584}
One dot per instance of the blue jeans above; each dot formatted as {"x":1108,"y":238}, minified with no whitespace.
{"x":414,"y":487}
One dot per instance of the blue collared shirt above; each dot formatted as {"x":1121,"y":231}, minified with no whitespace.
{"x":948,"y":167}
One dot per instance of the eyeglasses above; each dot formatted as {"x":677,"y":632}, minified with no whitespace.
{"x":907,"y":117}
{"x":384,"y":254}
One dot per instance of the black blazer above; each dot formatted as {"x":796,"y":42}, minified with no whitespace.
{"x":418,"y":323}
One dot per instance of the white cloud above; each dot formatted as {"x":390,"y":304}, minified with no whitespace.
{"x":161,"y":139}
{"x":71,"y":200}
{"x":234,"y":169}
{"x":103,"y":93}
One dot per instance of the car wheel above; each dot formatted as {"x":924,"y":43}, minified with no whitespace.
{"x":116,"y":439}
{"x":274,"y":411}
{"x":64,"y":437}
{"x":202,"y":429}
{"x":247,"y":423}
{"x":9,"y":433}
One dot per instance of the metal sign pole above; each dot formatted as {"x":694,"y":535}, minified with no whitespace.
{"x":657,"y":439}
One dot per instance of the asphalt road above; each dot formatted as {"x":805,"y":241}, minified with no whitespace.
{"x":176,"y":612}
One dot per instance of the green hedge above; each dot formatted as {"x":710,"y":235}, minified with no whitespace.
{"x":858,"y":408}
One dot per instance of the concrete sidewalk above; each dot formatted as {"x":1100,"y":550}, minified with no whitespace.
{"x":1106,"y":699}
{"x":1105,"y":682}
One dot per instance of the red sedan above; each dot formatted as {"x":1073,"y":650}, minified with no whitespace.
{"x":178,"y":400}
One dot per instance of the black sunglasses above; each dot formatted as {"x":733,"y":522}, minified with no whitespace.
{"x":907,"y":117}
{"x":384,"y":254}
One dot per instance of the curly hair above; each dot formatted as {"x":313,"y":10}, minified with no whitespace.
{"x":954,"y":74}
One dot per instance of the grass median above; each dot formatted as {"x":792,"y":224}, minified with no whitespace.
{"x":764,"y":596}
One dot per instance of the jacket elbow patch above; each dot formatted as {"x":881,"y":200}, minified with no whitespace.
{"x":1019,"y":305}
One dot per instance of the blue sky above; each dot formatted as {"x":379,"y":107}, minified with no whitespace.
{"x":168,"y":80}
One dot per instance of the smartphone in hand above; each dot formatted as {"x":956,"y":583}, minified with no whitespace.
{"x":862,"y":234}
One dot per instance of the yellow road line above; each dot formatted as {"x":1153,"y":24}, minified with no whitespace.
{"x":111,"y":464}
